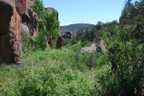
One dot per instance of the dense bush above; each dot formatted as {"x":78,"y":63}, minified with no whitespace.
{"x":125,"y":51}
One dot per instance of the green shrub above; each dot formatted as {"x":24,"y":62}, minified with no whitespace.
{"x":49,"y":72}
{"x":126,"y":53}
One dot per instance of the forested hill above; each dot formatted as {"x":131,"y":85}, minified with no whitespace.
{"x":75,"y":27}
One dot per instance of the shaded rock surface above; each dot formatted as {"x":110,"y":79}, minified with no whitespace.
{"x":10,"y":29}
{"x":24,"y":30}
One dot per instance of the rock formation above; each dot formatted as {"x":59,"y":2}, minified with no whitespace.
{"x":67,"y":35}
{"x":6,"y":54}
{"x":50,"y":39}
{"x":89,"y":49}
{"x":30,"y":25}
{"x":11,"y":12}
{"x":100,"y":44}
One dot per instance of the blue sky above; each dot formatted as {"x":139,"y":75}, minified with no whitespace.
{"x":86,"y":11}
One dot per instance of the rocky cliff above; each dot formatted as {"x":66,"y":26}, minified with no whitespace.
{"x":12,"y":14}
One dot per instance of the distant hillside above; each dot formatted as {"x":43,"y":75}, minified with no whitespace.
{"x":75,"y":27}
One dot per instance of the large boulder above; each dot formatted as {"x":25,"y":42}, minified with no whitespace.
{"x":89,"y":49}
{"x":93,"y":48}
{"x":25,"y":30}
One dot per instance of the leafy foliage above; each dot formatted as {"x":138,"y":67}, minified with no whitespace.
{"x":48,"y":24}
{"x":42,"y":14}
{"x":53,"y":24}
{"x":126,"y":53}
{"x":50,"y":72}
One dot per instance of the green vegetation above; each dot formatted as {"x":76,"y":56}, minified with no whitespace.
{"x":125,"y":53}
{"x":67,"y":72}
{"x":51,"y":72}
{"x":125,"y":45}
{"x":48,"y":24}
{"x":42,"y":14}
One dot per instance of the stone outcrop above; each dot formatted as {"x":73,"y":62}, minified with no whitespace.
{"x":89,"y":49}
{"x":11,"y":12}
{"x":93,"y":48}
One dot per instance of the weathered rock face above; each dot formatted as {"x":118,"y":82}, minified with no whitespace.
{"x":30,"y":21}
{"x":6,"y":54}
{"x":10,"y":30}
{"x":21,"y":5}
